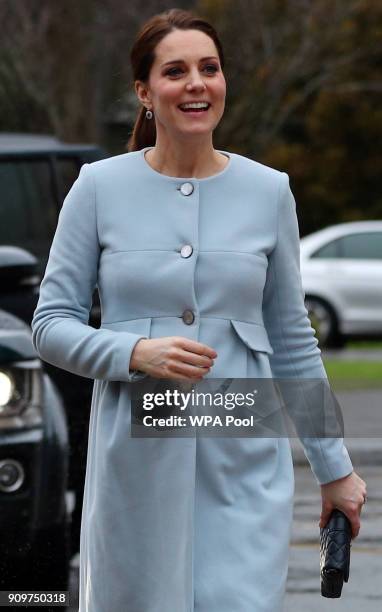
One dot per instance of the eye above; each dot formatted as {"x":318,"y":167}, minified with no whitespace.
{"x":211,"y":68}
{"x":173,"y":71}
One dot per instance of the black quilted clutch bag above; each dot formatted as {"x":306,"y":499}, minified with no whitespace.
{"x":335,"y":544}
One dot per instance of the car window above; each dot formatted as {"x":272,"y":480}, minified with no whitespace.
{"x":365,"y":245}
{"x":28,"y":207}
{"x":328,"y":250}
{"x":68,"y":170}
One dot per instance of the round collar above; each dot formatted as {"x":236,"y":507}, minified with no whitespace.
{"x":187,"y":178}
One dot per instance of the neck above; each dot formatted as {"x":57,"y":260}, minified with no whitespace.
{"x":185,"y":158}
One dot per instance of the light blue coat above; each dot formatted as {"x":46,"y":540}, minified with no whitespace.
{"x":181,"y":524}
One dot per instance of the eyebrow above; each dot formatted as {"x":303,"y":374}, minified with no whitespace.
{"x":179,"y":61}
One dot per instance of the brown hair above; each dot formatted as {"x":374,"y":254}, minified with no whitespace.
{"x":142,"y":57}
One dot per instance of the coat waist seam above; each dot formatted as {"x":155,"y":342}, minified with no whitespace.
{"x":177,"y":316}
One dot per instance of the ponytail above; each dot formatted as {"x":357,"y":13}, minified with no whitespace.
{"x":144,"y":132}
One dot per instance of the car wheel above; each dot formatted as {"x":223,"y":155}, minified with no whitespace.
{"x":324,"y":322}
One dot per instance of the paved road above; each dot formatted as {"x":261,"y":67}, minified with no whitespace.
{"x":364,"y":589}
{"x":353,"y":354}
{"x":362,"y":415}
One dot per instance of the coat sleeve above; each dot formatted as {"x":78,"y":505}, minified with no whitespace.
{"x":296,"y":354}
{"x":60,"y":330}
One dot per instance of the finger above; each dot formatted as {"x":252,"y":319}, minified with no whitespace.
{"x":177,"y":376}
{"x":172,"y":369}
{"x":325,"y":515}
{"x":197,"y":347}
{"x":355,"y":527}
{"x":195,"y":359}
{"x":354,"y":517}
{"x":178,"y":361}
{"x":187,"y":370}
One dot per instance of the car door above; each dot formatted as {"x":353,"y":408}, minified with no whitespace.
{"x":354,"y":263}
{"x":28,"y":205}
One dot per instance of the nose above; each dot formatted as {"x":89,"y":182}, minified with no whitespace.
{"x":195,"y":81}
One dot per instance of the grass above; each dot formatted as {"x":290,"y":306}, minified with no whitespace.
{"x":354,"y":374}
{"x":364,"y":344}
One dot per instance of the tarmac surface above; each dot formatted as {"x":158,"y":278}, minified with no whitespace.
{"x":364,"y":589}
{"x":353,"y":354}
{"x":362,"y":416}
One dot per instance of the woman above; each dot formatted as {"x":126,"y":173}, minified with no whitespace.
{"x":195,"y":254}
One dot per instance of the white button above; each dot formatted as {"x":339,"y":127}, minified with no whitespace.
{"x":186,"y":189}
{"x":186,"y":250}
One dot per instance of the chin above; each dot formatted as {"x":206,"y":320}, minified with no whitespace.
{"x":196,"y":134}
{"x":197,"y":129}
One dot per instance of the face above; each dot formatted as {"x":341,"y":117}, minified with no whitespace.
{"x":186,"y":69}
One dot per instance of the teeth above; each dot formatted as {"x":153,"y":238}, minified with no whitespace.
{"x":195,"y":105}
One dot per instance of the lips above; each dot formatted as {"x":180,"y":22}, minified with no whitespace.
{"x":195,"y":110}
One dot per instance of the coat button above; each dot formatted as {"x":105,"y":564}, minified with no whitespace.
{"x":186,"y":189}
{"x":186,"y":250}
{"x":188,"y":317}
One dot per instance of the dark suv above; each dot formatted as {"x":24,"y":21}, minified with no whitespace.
{"x":36,"y":172}
{"x":34,"y":454}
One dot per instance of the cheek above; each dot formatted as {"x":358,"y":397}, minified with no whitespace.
{"x":163,"y":92}
{"x":170,"y":93}
{"x":220,"y":89}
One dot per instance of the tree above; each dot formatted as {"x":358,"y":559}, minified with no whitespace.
{"x":64,"y":64}
{"x":298,"y":71}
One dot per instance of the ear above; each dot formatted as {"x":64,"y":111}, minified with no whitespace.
{"x":143,"y":93}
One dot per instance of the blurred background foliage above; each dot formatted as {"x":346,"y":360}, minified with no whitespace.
{"x":304,"y":86}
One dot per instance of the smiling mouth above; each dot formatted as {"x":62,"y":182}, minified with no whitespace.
{"x":195,"y":110}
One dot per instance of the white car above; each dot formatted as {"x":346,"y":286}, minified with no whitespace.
{"x":341,"y":270}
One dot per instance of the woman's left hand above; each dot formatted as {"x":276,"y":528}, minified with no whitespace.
{"x":347,"y":494}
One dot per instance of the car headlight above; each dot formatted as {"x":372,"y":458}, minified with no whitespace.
{"x":20,"y":395}
{"x":6,"y":389}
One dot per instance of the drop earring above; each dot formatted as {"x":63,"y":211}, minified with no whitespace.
{"x":149,"y":114}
